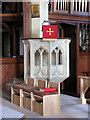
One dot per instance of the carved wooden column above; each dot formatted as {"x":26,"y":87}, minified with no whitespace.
{"x":14,"y":40}
{"x":26,"y":20}
{"x":71,"y":7}
{"x":62,"y":32}
{"x":78,"y":29}
{"x":18,"y":7}
{"x":77,"y":44}
{"x":52,"y":6}
{"x":89,"y":8}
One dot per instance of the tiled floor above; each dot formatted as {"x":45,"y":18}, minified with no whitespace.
{"x":70,"y":107}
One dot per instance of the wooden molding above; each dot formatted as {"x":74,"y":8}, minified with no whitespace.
{"x":8,"y":14}
{"x":70,"y":17}
{"x":84,"y":54}
{"x":11,"y":60}
{"x":62,"y":11}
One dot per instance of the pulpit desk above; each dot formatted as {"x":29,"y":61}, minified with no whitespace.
{"x":84,"y":85}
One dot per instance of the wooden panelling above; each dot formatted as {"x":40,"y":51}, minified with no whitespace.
{"x":83,"y":65}
{"x":70,"y":31}
{"x":16,"y":100}
{"x":27,"y":103}
{"x":42,"y":83}
{"x":11,"y":68}
{"x":0,"y":75}
{"x":37,"y":108}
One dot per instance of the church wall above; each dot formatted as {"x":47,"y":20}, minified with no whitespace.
{"x":35,"y":25}
{"x":37,"y":22}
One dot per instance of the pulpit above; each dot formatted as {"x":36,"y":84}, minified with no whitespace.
{"x":46,"y":59}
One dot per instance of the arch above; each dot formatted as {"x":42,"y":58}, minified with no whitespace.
{"x":40,"y":48}
{"x":57,"y":52}
{"x":53,"y":57}
{"x":37,"y":57}
{"x":45,"y":58}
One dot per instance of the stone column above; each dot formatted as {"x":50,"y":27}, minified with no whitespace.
{"x":25,"y":59}
{"x":41,"y":60}
{"x":49,"y":63}
{"x":31,"y":58}
{"x":56,"y":58}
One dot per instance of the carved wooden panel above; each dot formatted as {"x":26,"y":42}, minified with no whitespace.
{"x":84,"y":40}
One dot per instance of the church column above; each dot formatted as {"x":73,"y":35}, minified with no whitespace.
{"x":26,"y":20}
{"x":25,"y":60}
{"x":31,"y":60}
{"x":49,"y":63}
{"x":41,"y":60}
{"x":56,"y":58}
{"x":14,"y":41}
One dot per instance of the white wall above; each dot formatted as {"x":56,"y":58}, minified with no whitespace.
{"x":36,"y":23}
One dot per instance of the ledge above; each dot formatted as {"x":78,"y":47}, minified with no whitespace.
{"x":11,"y":60}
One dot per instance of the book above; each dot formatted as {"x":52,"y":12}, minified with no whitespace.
{"x":46,"y":90}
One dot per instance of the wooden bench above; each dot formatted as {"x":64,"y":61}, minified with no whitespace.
{"x":15,"y":90}
{"x":30,"y":97}
{"x":25,"y":95}
{"x":28,"y":87}
{"x":45,"y":103}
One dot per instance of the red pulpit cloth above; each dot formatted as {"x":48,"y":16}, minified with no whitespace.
{"x":50,"y":32}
